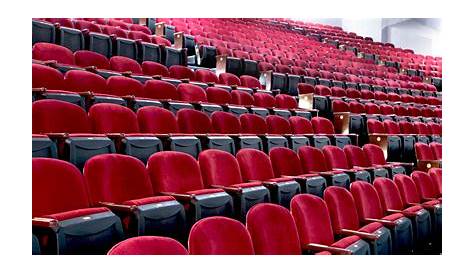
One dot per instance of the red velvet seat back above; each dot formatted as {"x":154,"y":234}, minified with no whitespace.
{"x":112,"y":118}
{"x":389,"y":194}
{"x":229,"y":79}
{"x":437,"y":150}
{"x":285,"y":101}
{"x":342,"y":209}
{"x":191,"y":93}
{"x":436,"y":177}
{"x":157,"y":89}
{"x":375,"y":127}
{"x":424,"y":152}
{"x":219,"y":236}
{"x":152,"y":68}
{"x":182,"y":72}
{"x":355,"y":156}
{"x":82,"y":81}
{"x":219,"y":168}
{"x":46,"y":77}
{"x":54,"y":116}
{"x":50,"y":52}
{"x":335,"y":157}
{"x":312,"y":159}
{"x":86,"y":58}
{"x":312,"y":219}
{"x":374,"y":154}
{"x":425,"y":186}
{"x":264,"y":100}
{"x":116,"y":178}
{"x":156,"y":120}
{"x":250,"y":82}
{"x":273,"y":230}
{"x":300,"y":125}
{"x":225,"y":123}
{"x":121,"y":86}
{"x":391,"y":127}
{"x":254,"y":165}
{"x":218,"y":95}
{"x":242,"y":98}
{"x":322,"y":125}
{"x":253,"y":124}
{"x":123,"y":64}
{"x":173,"y":171}
{"x":285,"y":162}
{"x":193,"y":121}
{"x":277,"y":125}
{"x":407,"y":188}
{"x":304,"y":88}
{"x":206,"y":76}
{"x":367,"y":200}
{"x":148,"y":245}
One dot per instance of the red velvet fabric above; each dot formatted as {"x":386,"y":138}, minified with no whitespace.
{"x":54,"y":116}
{"x":138,"y":35}
{"x":46,"y":77}
{"x":191,"y":93}
{"x":149,"y":200}
{"x":204,"y":191}
{"x":435,"y":128}
{"x":219,"y":236}
{"x":250,"y":82}
{"x":193,"y":121}
{"x":116,"y":178}
{"x":300,"y":125}
{"x":437,"y":150}
{"x":181,"y":72}
{"x":277,"y":125}
{"x":225,"y":123}
{"x":304,"y":88}
{"x":273,"y":230}
{"x":62,"y":216}
{"x":253,"y":124}
{"x":57,"y":186}
{"x":82,"y":81}
{"x":156,"y":120}
{"x":421,"y":128}
{"x":161,"y":41}
{"x":375,"y":126}
{"x":424,"y":185}
{"x":389,"y":194}
{"x":141,"y":28}
{"x":371,"y":108}
{"x":322,"y":125}
{"x":172,"y":171}
{"x":254,"y":165}
{"x":218,"y":95}
{"x":312,"y":219}
{"x":391,"y":127}
{"x":355,"y":156}
{"x":148,"y":245}
{"x":346,"y":242}
{"x":342,"y":208}
{"x":157,"y":89}
{"x":285,"y":162}
{"x":264,"y":100}
{"x":312,"y":159}
{"x":241,"y":98}
{"x":436,"y":178}
{"x":121,"y":86}
{"x":113,"y":118}
{"x":374,"y":154}
{"x":322,"y":90}
{"x":367,"y":200}
{"x":356,"y":107}
{"x":48,"y":52}
{"x":339,"y":106}
{"x":229,"y":79}
{"x":86,"y":58}
{"x":338,"y":92}
{"x":407,"y":188}
{"x":424,"y":152}
{"x":122,"y":64}
{"x":154,"y":68}
{"x":335,"y":157}
{"x":285,"y":101}
{"x":219,"y":168}
{"x":371,"y":228}
{"x":206,"y":76}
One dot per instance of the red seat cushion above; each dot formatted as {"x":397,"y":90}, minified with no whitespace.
{"x":393,"y":217}
{"x":76,"y":213}
{"x":345,"y":242}
{"x":149,"y":200}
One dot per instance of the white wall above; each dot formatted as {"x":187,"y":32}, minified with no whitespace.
{"x":423,"y":35}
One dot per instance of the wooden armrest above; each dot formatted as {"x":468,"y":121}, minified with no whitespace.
{"x":365,"y":168}
{"x":59,"y":135}
{"x":117,"y":207}
{"x":179,"y":197}
{"x":324,"y":173}
{"x":45,"y":222}
{"x":382,"y":221}
{"x":38,"y":90}
{"x":319,"y":247}
{"x":363,"y":235}
{"x":228,"y":188}
{"x":345,"y":170}
{"x":115,"y":135}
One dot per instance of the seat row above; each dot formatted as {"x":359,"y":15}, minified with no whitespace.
{"x":67,"y":224}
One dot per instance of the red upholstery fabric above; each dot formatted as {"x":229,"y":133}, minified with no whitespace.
{"x":122,"y":64}
{"x":57,"y":186}
{"x":121,"y":86}
{"x":277,"y":125}
{"x":300,"y":125}
{"x":254,"y":165}
{"x":116,"y":178}
{"x":374,"y":154}
{"x":225,"y":123}
{"x":204,"y":191}
{"x":47,"y":52}
{"x":407,"y":188}
{"x":342,"y":208}
{"x":322,"y":125}
{"x":273,"y":230}
{"x":424,"y":152}
{"x":253,"y":124}
{"x":67,"y":215}
{"x":285,"y":101}
{"x":148,"y":245}
{"x":46,"y":77}
{"x":157,"y":89}
{"x":304,"y":88}
{"x":250,"y":82}
{"x":338,"y":92}
{"x":367,"y":200}
{"x":312,"y":219}
{"x":112,"y":118}
{"x":312,"y":159}
{"x":148,"y":200}
{"x":371,"y":108}
{"x":219,"y":168}
{"x":356,"y":107}
{"x":375,"y":126}
{"x":229,"y":79}
{"x":218,"y":95}
{"x":335,"y":157}
{"x":181,"y":72}
{"x":154,"y":68}
{"x":141,"y":28}
{"x":391,"y":127}
{"x":172,"y":171}
{"x":156,"y":120}
{"x":86,"y":58}
{"x":53,"y":116}
{"x":285,"y":162}
{"x":82,"y":81}
{"x":421,"y":128}
{"x":219,"y":236}
{"x":435,"y":128}
{"x":160,"y":41}
{"x":264,"y":100}
{"x":191,"y":93}
{"x":241,"y":98}
{"x":339,"y":106}
{"x":436,"y":178}
{"x":355,"y":156}
{"x":371,"y":228}
{"x":437,"y":150}
{"x":138,"y":35}
{"x":193,"y":121}
{"x":322,"y":90}
{"x":206,"y":76}
{"x":424,"y":185}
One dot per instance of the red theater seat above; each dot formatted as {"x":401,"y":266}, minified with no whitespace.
{"x":148,"y":245}
{"x":125,"y":64}
{"x":336,"y":160}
